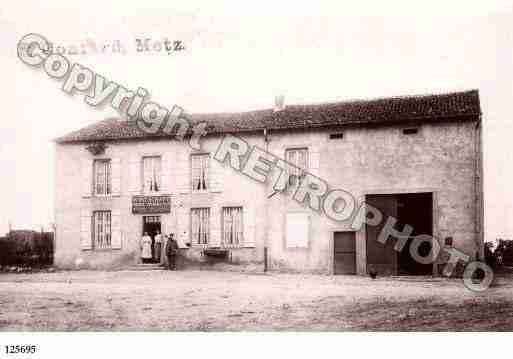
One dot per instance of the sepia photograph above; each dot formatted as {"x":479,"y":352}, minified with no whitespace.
{"x":219,"y":169}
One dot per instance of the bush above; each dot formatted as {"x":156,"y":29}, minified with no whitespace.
{"x":489,"y":255}
{"x":26,"y":249}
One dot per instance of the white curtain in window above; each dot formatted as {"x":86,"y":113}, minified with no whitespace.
{"x":199,"y":164}
{"x":200,"y":222}
{"x":232,"y":226}
{"x":152,"y":167}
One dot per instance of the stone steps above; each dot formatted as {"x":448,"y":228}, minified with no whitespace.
{"x":147,"y":266}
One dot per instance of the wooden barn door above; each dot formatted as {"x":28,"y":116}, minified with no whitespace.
{"x":382,"y":258}
{"x":345,"y":253}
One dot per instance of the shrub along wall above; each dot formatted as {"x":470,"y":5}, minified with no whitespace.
{"x":27,"y":249}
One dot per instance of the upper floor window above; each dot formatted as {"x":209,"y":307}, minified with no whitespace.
{"x":102,"y":230}
{"x":200,"y":223}
{"x":102,"y":177}
{"x":152,"y":174}
{"x":298,"y":157}
{"x":337,"y":136}
{"x":410,"y":131}
{"x":232,"y":226}
{"x":199,"y":171}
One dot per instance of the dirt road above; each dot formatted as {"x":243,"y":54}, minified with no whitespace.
{"x":208,"y":300}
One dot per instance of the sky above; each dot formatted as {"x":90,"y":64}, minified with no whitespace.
{"x":238,"y":57}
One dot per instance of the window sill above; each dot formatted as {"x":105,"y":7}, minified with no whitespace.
{"x":105,"y":196}
{"x":200,"y":246}
{"x":233,"y":246}
{"x":96,"y":250}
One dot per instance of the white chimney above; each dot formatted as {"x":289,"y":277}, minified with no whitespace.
{"x":279,"y":103}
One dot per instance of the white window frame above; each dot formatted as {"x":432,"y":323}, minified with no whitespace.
{"x":200,"y":174}
{"x":298,"y":169}
{"x":106,"y":181}
{"x":200,"y":226}
{"x":229,"y":223}
{"x":102,"y":230}
{"x":155,"y":168}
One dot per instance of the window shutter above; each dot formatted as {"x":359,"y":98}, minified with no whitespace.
{"x":116,"y":176}
{"x":248,"y":224}
{"x":166,"y":173}
{"x":216,"y":174}
{"x":86,"y":239}
{"x":116,"y":235}
{"x":215,"y":227}
{"x":297,"y":230}
{"x":183,"y":175}
{"x":314,"y":165}
{"x":134,"y":174}
{"x":87,"y":177}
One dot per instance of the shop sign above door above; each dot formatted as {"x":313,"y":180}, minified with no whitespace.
{"x":151,"y":204}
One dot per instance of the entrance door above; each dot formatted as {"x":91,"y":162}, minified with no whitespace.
{"x":151,"y":224}
{"x":344,"y":258}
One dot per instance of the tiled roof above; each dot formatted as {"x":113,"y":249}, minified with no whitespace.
{"x":457,"y":106}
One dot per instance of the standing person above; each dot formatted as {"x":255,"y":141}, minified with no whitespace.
{"x":158,"y":246}
{"x":171,"y":252}
{"x":146,"y":248}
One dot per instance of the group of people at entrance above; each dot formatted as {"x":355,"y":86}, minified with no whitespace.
{"x":151,"y":249}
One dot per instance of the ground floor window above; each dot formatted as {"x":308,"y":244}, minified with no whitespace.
{"x":232,"y":226}
{"x":102,"y":229}
{"x":200,"y":220}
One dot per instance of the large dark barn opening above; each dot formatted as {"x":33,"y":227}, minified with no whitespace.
{"x":415,"y":209}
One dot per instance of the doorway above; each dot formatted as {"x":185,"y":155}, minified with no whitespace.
{"x":152,"y":226}
{"x":414,"y":209}
{"x":344,"y":256}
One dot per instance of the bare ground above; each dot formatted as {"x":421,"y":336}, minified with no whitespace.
{"x":218,"y":301}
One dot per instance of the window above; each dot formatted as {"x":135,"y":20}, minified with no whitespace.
{"x":297,"y":157}
{"x":232,"y":226}
{"x":101,"y":229}
{"x":200,"y":222}
{"x":151,"y":174}
{"x":410,"y":131}
{"x":199,"y":164}
{"x":336,"y":136}
{"x":297,"y":230}
{"x":102,"y":177}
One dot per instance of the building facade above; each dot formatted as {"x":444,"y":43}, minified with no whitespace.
{"x":417,"y":159}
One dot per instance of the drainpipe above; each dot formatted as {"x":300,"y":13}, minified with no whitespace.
{"x":266,"y":211}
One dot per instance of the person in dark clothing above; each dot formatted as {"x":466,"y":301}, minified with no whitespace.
{"x":171,"y":252}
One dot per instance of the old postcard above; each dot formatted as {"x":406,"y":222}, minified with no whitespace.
{"x":198,"y":167}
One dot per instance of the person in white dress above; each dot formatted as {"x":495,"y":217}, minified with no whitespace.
{"x":158,"y":247}
{"x":146,"y":248}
